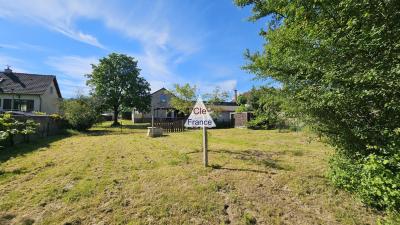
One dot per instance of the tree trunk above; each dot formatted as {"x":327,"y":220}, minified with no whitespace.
{"x":115,"y":117}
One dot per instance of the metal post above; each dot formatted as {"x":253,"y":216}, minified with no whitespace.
{"x":205,"y":146}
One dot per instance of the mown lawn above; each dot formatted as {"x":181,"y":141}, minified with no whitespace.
{"x":120,"y":176}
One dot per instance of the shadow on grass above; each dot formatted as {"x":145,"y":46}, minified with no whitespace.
{"x":24,"y":148}
{"x":106,"y":129}
{"x":136,"y":127}
{"x":163,"y":135}
{"x":130,"y":126}
{"x":257,"y":157}
{"x":219,"y":167}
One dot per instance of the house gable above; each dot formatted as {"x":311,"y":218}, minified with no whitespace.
{"x":24,"y":83}
{"x":29,"y":92}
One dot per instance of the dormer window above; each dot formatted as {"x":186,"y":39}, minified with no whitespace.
{"x":163,"y":98}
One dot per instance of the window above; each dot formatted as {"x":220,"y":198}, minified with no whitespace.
{"x":23,"y":105}
{"x":51,"y":90}
{"x":163,"y":98}
{"x":169,"y":114}
{"x":16,"y":104}
{"x":30,"y":105}
{"x":7,"y":104}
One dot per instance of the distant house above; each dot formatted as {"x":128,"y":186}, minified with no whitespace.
{"x":29,"y":92}
{"x":162,"y":109}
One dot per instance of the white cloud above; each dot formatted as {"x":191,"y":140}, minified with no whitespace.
{"x":166,"y":42}
{"x":71,"y":88}
{"x":12,"y":62}
{"x":227,"y":85}
{"x":166,"y":39}
{"x":9,"y":46}
{"x":79,"y":36}
{"x":55,"y":15}
{"x":73,"y":66}
{"x":23,"y":46}
{"x":71,"y":73}
{"x":146,"y":22}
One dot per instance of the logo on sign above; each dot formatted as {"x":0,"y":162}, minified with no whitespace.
{"x":199,"y":116}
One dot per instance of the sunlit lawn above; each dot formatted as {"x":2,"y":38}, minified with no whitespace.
{"x":120,"y":176}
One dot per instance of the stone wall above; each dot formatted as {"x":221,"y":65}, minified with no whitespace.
{"x":241,"y":119}
{"x":48,"y":126}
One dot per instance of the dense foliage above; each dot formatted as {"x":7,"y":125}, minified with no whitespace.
{"x":81,"y":113}
{"x":9,"y":127}
{"x":340,"y":62}
{"x":270,"y":107}
{"x":117,"y":83}
{"x":183,"y":98}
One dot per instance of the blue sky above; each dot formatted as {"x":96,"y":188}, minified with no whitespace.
{"x":200,"y":42}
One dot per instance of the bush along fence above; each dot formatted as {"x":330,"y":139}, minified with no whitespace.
{"x":15,"y":129}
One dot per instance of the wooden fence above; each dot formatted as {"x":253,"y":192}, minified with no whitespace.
{"x":168,"y":125}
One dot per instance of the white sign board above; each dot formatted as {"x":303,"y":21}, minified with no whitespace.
{"x":199,"y":116}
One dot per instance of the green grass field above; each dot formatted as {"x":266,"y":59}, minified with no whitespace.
{"x":120,"y":176}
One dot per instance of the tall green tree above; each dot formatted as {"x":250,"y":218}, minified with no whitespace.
{"x":340,"y":61}
{"x":117,"y":83}
{"x":183,"y":98}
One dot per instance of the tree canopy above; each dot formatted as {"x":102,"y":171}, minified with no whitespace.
{"x":184,"y":98}
{"x":340,"y":62}
{"x":117,"y":83}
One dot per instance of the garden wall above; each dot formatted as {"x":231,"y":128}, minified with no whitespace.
{"x":240,"y":119}
{"x":48,"y":126}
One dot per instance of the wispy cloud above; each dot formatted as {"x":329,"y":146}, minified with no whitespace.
{"x":73,"y":66}
{"x":167,"y":40}
{"x":55,"y":15}
{"x":71,"y":72}
{"x":164,"y":41}
{"x":9,"y":46}
{"x":15,"y":63}
{"x":23,"y":46}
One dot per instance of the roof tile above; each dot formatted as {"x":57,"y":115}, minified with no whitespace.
{"x":23,"y":83}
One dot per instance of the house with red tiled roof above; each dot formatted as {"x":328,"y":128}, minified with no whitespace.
{"x":25,"y":92}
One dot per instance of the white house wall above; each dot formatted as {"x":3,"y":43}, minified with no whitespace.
{"x":50,"y":101}
{"x":35,"y":98}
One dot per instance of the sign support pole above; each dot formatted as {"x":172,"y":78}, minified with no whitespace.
{"x":205,"y":146}
{"x":200,"y":118}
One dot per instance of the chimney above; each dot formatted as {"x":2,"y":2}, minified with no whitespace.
{"x":7,"y":70}
{"x":236,"y":96}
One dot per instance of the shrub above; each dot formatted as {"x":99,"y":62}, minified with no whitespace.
{"x":9,"y":127}
{"x":340,"y":70}
{"x":271,"y":107}
{"x":259,"y":122}
{"x":375,"y":179}
{"x":56,"y":116}
{"x":80,"y":113}
{"x":39,"y":113}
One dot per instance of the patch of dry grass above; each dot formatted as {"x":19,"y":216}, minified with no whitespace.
{"x":120,"y":176}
